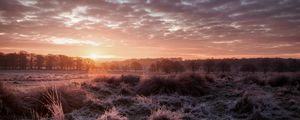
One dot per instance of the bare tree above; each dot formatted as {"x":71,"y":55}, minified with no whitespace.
{"x":136,"y":66}
{"x":209,"y":65}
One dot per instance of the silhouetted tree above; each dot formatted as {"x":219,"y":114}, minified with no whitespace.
{"x":248,"y":67}
{"x":166,"y":65}
{"x":114,"y":66}
{"x":279,"y":66}
{"x":136,"y":66}
{"x":264,"y":65}
{"x":22,"y":60}
{"x":153,"y":67}
{"x":40,"y":60}
{"x":125,"y":68}
{"x":293,"y":65}
{"x":177,"y":67}
{"x":223,"y":66}
{"x":50,"y":59}
{"x":12,"y":60}
{"x":209,"y":65}
{"x":79,"y":63}
{"x":31,"y":61}
{"x":2,"y":60}
{"x":194,"y":65}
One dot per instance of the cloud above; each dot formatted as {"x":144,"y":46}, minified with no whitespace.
{"x":227,"y":42}
{"x":188,"y":23}
{"x":70,"y":41}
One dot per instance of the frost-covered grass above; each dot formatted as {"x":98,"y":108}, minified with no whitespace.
{"x":165,"y":97}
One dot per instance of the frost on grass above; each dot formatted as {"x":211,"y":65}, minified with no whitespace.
{"x":112,"y":114}
{"x":165,"y":114}
{"x":186,"y":84}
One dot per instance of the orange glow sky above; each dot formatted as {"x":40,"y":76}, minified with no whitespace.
{"x":152,"y":28}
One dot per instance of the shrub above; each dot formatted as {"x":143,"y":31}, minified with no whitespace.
{"x":253,"y":80}
{"x":157,"y":85}
{"x":295,"y":80}
{"x":109,"y":80}
{"x":190,"y":84}
{"x":112,"y":114}
{"x":130,"y":79}
{"x":164,"y":114}
{"x":244,"y":105}
{"x":113,"y":81}
{"x":278,"y":81}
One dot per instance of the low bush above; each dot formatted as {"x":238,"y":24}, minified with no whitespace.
{"x":130,"y":79}
{"x":191,"y":84}
{"x":115,"y":81}
{"x":253,"y":80}
{"x":244,"y":105}
{"x":279,"y":81}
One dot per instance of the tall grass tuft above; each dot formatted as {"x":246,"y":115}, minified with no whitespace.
{"x":165,"y":114}
{"x":112,"y":114}
{"x":55,"y":106}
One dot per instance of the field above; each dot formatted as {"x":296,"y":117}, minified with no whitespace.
{"x":187,"y":96}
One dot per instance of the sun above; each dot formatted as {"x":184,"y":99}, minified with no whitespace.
{"x":93,"y":56}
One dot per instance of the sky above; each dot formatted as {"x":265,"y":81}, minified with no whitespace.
{"x":152,"y":28}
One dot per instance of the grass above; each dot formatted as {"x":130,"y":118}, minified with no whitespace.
{"x":244,"y":105}
{"x":112,"y":114}
{"x":48,"y":102}
{"x":253,"y":80}
{"x":186,"y":84}
{"x":165,"y":114}
{"x":116,"y":81}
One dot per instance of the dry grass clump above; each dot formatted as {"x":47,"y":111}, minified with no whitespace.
{"x":244,"y":105}
{"x":164,"y":114}
{"x":9,"y":104}
{"x":253,"y":80}
{"x":112,"y":114}
{"x":187,"y":84}
{"x":279,"y":81}
{"x":42,"y":103}
{"x":128,"y":79}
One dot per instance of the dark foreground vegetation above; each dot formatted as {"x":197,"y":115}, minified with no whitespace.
{"x":187,"y":96}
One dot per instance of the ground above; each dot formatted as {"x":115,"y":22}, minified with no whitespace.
{"x":230,"y":96}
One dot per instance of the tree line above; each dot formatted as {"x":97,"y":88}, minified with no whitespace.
{"x":250,"y":65}
{"x":30,"y":61}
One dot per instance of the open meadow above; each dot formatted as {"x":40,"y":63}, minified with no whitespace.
{"x":184,"y":96}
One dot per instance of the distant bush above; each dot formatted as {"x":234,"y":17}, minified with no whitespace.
{"x":295,"y":80}
{"x":191,"y":84}
{"x":164,"y":114}
{"x":115,"y":81}
{"x":112,"y":114}
{"x":130,"y":79}
{"x":253,"y":80}
{"x":279,"y":81}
